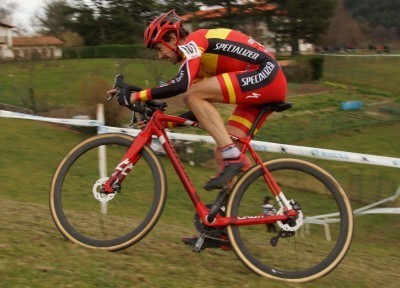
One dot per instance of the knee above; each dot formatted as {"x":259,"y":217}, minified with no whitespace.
{"x":185,"y":98}
{"x":189,"y":98}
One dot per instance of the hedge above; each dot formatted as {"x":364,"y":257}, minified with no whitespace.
{"x":308,"y":68}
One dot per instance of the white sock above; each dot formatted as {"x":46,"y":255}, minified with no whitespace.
{"x":230,"y":151}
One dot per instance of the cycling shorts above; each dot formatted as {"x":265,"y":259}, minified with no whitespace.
{"x":248,"y":90}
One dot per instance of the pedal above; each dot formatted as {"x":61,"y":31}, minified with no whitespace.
{"x":199,"y":243}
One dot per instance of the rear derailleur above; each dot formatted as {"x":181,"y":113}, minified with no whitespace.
{"x":281,"y":234}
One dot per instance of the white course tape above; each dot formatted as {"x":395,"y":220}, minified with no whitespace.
{"x":258,"y":145}
{"x":358,"y":55}
{"x":283,"y":148}
{"x":74,"y":122}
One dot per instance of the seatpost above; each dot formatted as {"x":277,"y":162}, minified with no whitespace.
{"x":253,"y":128}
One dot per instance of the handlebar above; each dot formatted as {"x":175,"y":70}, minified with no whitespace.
{"x":144,"y":108}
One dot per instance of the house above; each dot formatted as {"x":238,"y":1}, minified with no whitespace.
{"x":6,"y":41}
{"x":39,"y":47}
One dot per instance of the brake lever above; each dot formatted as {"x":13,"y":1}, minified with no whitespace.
{"x":133,"y":119}
{"x":111,"y":96}
{"x":119,"y":80}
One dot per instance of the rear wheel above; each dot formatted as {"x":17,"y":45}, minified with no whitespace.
{"x":115,"y":221}
{"x":296,"y":252}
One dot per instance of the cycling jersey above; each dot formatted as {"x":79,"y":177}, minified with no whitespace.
{"x":247,"y":73}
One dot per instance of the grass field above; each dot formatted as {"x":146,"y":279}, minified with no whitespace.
{"x":377,"y":72}
{"x":34,"y":254}
{"x":62,"y":82}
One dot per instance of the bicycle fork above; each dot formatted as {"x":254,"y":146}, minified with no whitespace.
{"x":113,"y":184}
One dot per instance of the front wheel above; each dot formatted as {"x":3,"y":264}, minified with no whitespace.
{"x":112,"y":222}
{"x":299,"y":251}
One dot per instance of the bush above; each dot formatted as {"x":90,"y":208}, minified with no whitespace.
{"x":303,"y":68}
{"x":317,"y":66}
{"x":299,"y":72}
{"x":93,"y":92}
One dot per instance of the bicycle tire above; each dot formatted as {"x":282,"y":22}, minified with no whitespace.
{"x":317,"y":246}
{"x":120,"y":222}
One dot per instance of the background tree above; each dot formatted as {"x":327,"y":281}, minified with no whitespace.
{"x":181,"y":7}
{"x":380,"y":16}
{"x":7,"y":8}
{"x":344,"y":29}
{"x":235,"y":15}
{"x":56,"y":18}
{"x":99,"y":22}
{"x":240,"y":15}
{"x":226,"y":20}
{"x":294,"y":20}
{"x":376,"y":12}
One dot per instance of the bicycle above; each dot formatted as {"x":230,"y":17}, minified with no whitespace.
{"x":311,"y":232}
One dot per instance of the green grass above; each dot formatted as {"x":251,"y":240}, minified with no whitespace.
{"x":34,"y":254}
{"x":378,"y":73}
{"x":60,"y":82}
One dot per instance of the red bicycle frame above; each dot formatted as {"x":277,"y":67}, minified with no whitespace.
{"x":155,"y":127}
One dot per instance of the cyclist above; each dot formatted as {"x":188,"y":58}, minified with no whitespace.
{"x":216,"y":66}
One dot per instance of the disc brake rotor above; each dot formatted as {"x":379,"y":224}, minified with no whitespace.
{"x":291,"y":224}
{"x":97,"y":191}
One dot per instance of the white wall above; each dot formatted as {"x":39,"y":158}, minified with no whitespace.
{"x":5,"y":43}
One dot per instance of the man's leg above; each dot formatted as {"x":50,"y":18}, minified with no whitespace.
{"x":198,"y":99}
{"x":233,"y":131}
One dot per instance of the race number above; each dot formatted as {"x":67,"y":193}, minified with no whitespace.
{"x":190,"y":50}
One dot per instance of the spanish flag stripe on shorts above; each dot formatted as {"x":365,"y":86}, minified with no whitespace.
{"x":229,"y":87}
{"x":241,"y":120}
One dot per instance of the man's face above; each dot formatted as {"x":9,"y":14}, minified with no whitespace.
{"x":165,"y":53}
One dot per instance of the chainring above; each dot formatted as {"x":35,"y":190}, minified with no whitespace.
{"x":208,"y":230}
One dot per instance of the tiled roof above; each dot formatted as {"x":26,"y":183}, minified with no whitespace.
{"x":6,"y":25}
{"x":36,"y":41}
{"x":219,"y":12}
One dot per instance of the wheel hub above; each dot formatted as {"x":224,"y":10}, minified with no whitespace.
{"x":98,"y":191}
{"x":291,"y":224}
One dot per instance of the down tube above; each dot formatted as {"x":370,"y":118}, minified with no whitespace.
{"x":180,"y":170}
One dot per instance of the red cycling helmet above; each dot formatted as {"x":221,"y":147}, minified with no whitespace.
{"x":161,"y":25}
